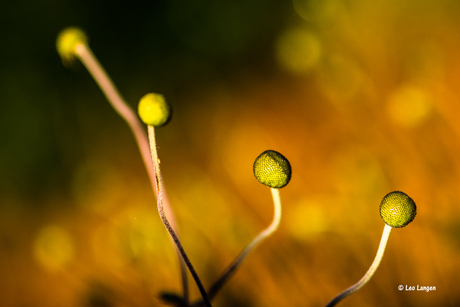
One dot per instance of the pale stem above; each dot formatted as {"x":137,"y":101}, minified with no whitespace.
{"x":369,"y":273}
{"x":259,"y":238}
{"x":86,"y":56}
{"x":159,"y":183}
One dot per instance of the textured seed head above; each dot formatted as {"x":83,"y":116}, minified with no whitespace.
{"x":154,"y":110}
{"x":397,"y":209}
{"x":66,"y":42}
{"x":272,"y":169}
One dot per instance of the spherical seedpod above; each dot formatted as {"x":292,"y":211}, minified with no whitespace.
{"x":397,"y":209}
{"x":154,"y":110}
{"x":272,"y":169}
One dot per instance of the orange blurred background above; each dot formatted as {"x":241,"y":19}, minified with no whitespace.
{"x":361,"y":97}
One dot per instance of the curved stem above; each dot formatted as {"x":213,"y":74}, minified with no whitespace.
{"x":86,"y":56}
{"x":84,"y":53}
{"x":259,"y":238}
{"x":159,"y":183}
{"x":369,"y":273}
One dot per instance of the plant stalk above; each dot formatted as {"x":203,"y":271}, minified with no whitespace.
{"x":159,"y":183}
{"x":230,"y":270}
{"x":369,"y":273}
{"x":89,"y":60}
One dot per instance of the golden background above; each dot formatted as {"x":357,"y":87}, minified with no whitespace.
{"x":361,"y":97}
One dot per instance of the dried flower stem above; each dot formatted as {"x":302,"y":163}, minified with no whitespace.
{"x":86,"y":56}
{"x":259,"y":238}
{"x":369,"y":273}
{"x":159,"y":183}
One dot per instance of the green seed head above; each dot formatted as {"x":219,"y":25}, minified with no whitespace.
{"x":154,"y":110}
{"x":397,"y":209}
{"x":272,"y":169}
{"x":66,"y":42}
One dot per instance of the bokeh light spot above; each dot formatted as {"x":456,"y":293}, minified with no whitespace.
{"x":53,"y":247}
{"x":409,"y":106}
{"x":134,"y":234}
{"x":143,"y":233}
{"x":307,"y":220}
{"x":298,"y":50}
{"x":314,"y":10}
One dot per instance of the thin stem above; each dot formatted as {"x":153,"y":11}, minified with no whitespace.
{"x":259,"y":238}
{"x":86,"y":56}
{"x":369,"y":273}
{"x":159,"y":183}
{"x":90,"y":61}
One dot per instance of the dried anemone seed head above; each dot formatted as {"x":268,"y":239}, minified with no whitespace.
{"x":272,"y":169}
{"x":66,"y":42}
{"x":397,"y":209}
{"x":154,"y":110}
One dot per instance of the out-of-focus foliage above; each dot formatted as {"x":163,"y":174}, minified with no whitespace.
{"x":361,"y":96}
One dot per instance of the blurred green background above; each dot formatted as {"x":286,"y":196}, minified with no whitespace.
{"x":362,"y":98}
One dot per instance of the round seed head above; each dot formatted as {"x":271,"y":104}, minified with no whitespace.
{"x":154,"y":110}
{"x":272,"y":169}
{"x":397,"y":209}
{"x":66,"y":42}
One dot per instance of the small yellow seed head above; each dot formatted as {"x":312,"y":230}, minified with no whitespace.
{"x":397,"y":209}
{"x":272,"y":169}
{"x":154,"y":110}
{"x":66,"y":42}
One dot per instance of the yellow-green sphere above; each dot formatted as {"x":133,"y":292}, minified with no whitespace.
{"x":154,"y":110}
{"x":272,"y":169}
{"x":67,"y":40}
{"x":397,"y":209}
